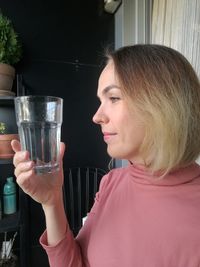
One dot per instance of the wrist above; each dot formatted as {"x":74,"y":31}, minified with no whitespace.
{"x":54,"y":201}
{"x":56,"y":221}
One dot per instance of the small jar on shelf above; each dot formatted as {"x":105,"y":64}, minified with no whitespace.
{"x":9,"y":197}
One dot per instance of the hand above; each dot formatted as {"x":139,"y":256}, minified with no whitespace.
{"x":45,"y":189}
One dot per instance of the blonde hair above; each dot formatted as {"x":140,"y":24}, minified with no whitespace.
{"x":165,"y":89}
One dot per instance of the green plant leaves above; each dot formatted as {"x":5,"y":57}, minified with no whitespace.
{"x":10,"y":47}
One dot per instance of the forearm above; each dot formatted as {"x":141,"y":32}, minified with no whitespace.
{"x":56,"y":221}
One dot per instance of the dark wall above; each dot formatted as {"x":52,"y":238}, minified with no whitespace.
{"x":63,"y":43}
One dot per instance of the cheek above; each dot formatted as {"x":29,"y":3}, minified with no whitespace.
{"x":134,"y":131}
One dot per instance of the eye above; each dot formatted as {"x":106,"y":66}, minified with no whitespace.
{"x":114,"y":99}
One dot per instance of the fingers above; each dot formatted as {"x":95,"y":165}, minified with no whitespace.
{"x":15,"y":145}
{"x":21,"y":159}
{"x":23,"y":167}
{"x":20,"y":156}
{"x":22,"y":163}
{"x":62,"y":150}
{"x":24,"y":180}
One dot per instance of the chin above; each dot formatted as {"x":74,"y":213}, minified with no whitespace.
{"x":115,"y":154}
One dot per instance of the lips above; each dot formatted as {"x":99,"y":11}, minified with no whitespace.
{"x":107,"y":136}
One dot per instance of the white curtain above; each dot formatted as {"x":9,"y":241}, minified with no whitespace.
{"x":176,"y":23}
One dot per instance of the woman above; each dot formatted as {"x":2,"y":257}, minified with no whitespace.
{"x":148,"y":213}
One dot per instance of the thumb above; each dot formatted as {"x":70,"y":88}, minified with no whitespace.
{"x":15,"y":145}
{"x":62,"y":150}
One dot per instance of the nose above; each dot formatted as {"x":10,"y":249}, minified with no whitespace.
{"x":100,"y":117}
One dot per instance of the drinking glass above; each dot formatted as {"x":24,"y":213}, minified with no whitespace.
{"x":39,"y":120}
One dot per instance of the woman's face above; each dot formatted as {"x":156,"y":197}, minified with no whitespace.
{"x":121,"y":127}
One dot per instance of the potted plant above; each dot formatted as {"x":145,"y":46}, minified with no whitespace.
{"x":6,"y":150}
{"x":10,"y":54}
{"x":2,"y":128}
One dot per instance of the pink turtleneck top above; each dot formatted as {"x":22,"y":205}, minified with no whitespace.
{"x":137,"y":221}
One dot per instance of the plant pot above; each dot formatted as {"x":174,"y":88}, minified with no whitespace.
{"x":6,"y":151}
{"x":7,"y":75}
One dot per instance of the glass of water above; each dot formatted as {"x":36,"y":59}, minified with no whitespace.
{"x":39,"y":120}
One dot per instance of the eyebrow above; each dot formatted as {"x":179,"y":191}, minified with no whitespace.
{"x":108,"y":88}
